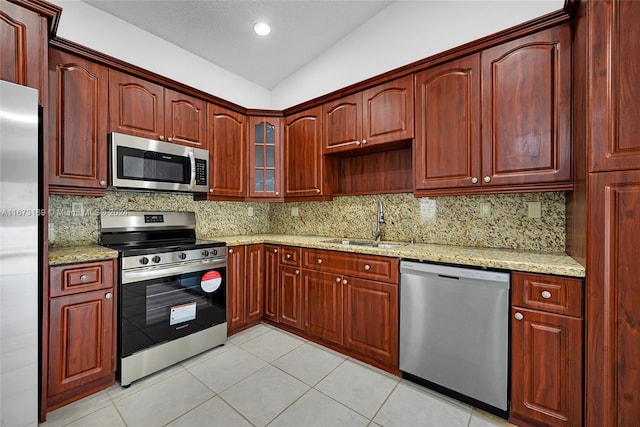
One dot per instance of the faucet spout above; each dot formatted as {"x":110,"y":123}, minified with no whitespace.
{"x":375,"y":231}
{"x":380,"y":213}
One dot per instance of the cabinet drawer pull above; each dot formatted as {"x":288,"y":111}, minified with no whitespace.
{"x":545,"y":294}
{"x":297,"y":271}
{"x":487,"y":179}
{"x":338,"y":280}
{"x":109,"y":295}
{"x":103,"y":183}
{"x":288,"y":256}
{"x":474,"y":180}
{"x":84,"y":278}
{"x":319,"y":260}
{"x":230,"y":251}
{"x":275,"y":251}
{"x":518,"y":316}
{"x":367,"y":267}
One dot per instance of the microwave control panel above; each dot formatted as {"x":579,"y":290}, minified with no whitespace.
{"x":201,"y":172}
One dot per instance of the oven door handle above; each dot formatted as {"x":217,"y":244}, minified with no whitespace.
{"x":149,"y":273}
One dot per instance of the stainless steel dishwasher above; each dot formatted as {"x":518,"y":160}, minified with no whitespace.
{"x":454,"y":332}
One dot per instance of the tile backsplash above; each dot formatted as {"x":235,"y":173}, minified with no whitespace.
{"x":445,"y":220}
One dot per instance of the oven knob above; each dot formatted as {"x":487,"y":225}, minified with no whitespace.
{"x":155,"y":259}
{"x":182,"y":255}
{"x":214,"y":252}
{"x":205,"y":253}
{"x":144,"y":260}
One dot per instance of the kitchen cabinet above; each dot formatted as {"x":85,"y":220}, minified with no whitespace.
{"x":303,"y":161}
{"x":322,"y":305}
{"x":376,"y":116}
{"x":78,"y":147}
{"x":546,"y":350}
{"x":142,"y":108}
{"x":265,"y":156}
{"x":227,"y":153}
{"x":81,"y":331}
{"x":290,"y":297}
{"x":497,"y":121}
{"x":245,"y":276}
{"x":271,"y":288}
{"x":23,"y":47}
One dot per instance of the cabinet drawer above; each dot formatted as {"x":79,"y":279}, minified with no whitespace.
{"x":554,"y":294}
{"x":290,"y":256}
{"x":76,"y":278}
{"x":380,"y":268}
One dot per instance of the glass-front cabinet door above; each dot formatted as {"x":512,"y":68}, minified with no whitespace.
{"x":265,"y":157}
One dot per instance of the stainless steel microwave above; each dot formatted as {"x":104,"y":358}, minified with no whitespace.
{"x":146,"y":164}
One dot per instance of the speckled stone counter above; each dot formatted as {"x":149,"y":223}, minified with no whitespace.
{"x":508,"y":259}
{"x":59,"y":255}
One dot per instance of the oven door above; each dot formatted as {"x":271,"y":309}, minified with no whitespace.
{"x":162,"y":304}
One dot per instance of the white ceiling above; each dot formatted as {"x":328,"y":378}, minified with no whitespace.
{"x":221,"y":31}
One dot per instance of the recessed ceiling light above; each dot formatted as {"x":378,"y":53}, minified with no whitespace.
{"x":262,"y":28}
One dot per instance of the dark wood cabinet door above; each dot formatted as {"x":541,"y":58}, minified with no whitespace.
{"x":371,"y":319}
{"x":342,"y":121}
{"x":546,"y":367}
{"x":613,"y":300}
{"x":615,"y":85}
{"x":77,"y":124}
{"x":265,"y":170}
{"x":447,"y":143}
{"x":185,"y":120}
{"x":322,"y":305}
{"x":388,"y":112}
{"x":236,"y":315}
{"x":254,"y":282}
{"x":526,"y":111}
{"x":136,"y":106}
{"x":23,"y":47}
{"x":271,"y":286}
{"x":302,"y":154}
{"x":290,"y":298}
{"x":227,"y":153}
{"x":81,"y":339}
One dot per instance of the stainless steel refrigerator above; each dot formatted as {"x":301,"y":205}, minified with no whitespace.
{"x":19,"y":255}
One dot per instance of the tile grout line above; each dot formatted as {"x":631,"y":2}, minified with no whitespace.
{"x":385,"y":401}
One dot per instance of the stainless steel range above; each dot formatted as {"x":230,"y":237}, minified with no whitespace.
{"x":172,"y":290}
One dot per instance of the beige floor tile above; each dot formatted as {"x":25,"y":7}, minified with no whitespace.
{"x":309,"y":363}
{"x":213,"y":412}
{"x":271,"y":345}
{"x":249,"y":334}
{"x":315,"y":409}
{"x":105,"y":417}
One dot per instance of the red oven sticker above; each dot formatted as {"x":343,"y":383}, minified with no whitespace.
{"x":211,"y":281}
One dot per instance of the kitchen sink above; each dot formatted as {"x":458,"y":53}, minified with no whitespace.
{"x":381,"y":245}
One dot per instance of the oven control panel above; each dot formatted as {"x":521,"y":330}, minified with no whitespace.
{"x":175,"y":257}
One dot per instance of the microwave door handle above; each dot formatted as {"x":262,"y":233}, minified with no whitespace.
{"x":193,"y":169}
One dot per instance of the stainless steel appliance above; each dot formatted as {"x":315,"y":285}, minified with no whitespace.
{"x":146,"y":164}
{"x":454,"y":332}
{"x":171,"y":293}
{"x":20,"y":259}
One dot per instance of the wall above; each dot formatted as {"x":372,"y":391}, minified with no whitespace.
{"x":444,"y":220}
{"x":213,"y":218}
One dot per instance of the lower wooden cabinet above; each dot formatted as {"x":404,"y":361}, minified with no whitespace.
{"x":245,"y":290}
{"x":290,"y":297}
{"x":271,"y":275}
{"x":322,"y":305}
{"x":546,"y":350}
{"x":82,"y":331}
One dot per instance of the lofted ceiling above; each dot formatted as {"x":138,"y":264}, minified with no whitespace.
{"x":221,"y":31}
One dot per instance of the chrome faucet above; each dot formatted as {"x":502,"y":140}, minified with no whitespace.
{"x":375,"y":231}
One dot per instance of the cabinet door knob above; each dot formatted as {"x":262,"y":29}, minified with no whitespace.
{"x":364,"y":141}
{"x":277,"y":193}
{"x":545,"y":294}
{"x":518,"y":316}
{"x":338,"y":280}
{"x":103,"y":183}
{"x":288,"y":256}
{"x":84,"y":278}
{"x":319,"y":260}
{"x":211,"y":190}
{"x":230,"y":251}
{"x":297,"y":271}
{"x":357,"y":142}
{"x":161,"y":137}
{"x":367,"y":267}
{"x":487,"y":179}
{"x":318,"y":190}
{"x":109,"y":295}
{"x":344,"y":282}
{"x":275,"y":251}
{"x":170,"y":139}
{"x":474,"y":180}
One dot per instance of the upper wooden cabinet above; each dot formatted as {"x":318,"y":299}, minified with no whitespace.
{"x":77,"y":125}
{"x":265,"y":157}
{"x":303,"y":171}
{"x":614,"y":32}
{"x":142,"y":108}
{"x":375,"y":116}
{"x":498,"y":121}
{"x":227,"y":153}
{"x":23,"y":47}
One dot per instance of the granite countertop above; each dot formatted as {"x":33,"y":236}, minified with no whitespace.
{"x":59,"y":255}
{"x":508,"y":259}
